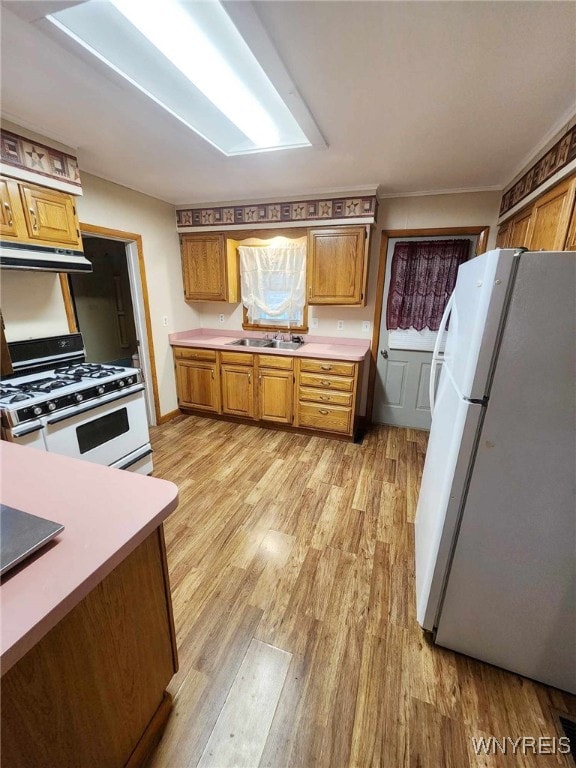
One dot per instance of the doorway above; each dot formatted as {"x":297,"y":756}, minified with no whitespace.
{"x":103,"y":305}
{"x":113,"y":313}
{"x":401,"y":359}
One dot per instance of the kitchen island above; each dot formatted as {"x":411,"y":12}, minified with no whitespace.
{"x":87,"y":638}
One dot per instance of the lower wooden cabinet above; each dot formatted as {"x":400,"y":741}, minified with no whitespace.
{"x":276,"y":390}
{"x":308,"y":393}
{"x":197,"y":378}
{"x":326,"y":393}
{"x":237,"y":382}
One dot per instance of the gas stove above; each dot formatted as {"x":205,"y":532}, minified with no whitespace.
{"x":56,"y":401}
{"x":24,"y":398}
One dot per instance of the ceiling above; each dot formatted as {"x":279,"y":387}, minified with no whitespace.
{"x":410,"y":96}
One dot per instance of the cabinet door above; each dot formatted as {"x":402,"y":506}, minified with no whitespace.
{"x":550,"y":218}
{"x":570,"y":244}
{"x":238,"y":390}
{"x":503,"y":236}
{"x":518,"y":237}
{"x":337,"y":266}
{"x":197,"y":386}
{"x":12,"y":222}
{"x":204,"y":267}
{"x":50,"y":216}
{"x":276,"y":395}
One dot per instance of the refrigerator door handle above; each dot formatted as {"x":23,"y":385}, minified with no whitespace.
{"x":436,"y":355}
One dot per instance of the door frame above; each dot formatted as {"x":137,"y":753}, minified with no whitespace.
{"x":141,"y":308}
{"x":387,"y":234}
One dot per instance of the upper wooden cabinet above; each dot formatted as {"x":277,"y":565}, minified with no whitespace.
{"x":337,"y":265}
{"x":38,"y":216}
{"x":545,"y":225}
{"x":518,"y":234}
{"x":551,"y":216}
{"x":210,"y":273}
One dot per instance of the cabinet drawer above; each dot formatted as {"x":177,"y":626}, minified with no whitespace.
{"x":237,"y":358}
{"x":276,"y":361}
{"x":326,"y":382}
{"x":323,"y":396}
{"x":328,"y":417}
{"x":327,"y":366}
{"x":192,"y":353}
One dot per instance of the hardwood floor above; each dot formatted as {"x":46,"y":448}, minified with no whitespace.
{"x":306,"y":544}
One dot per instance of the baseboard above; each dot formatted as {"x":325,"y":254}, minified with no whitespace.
{"x":169,"y":416}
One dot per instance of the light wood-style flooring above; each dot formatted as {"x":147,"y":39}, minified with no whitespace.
{"x":292,"y":571}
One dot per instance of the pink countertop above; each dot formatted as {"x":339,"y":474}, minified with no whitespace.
{"x":106,"y":513}
{"x":325,"y":347}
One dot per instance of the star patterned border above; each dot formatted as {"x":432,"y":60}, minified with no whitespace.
{"x":273,"y":213}
{"x":38,"y":159}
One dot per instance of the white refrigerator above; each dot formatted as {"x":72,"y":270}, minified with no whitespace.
{"x":495,"y":526}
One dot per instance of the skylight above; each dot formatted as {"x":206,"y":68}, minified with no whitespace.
{"x":191,"y":59}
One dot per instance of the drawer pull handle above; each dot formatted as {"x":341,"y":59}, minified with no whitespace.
{"x":8,"y":210}
{"x":326,"y":367}
{"x":325,"y":383}
{"x":325,"y":397}
{"x":323,"y":411}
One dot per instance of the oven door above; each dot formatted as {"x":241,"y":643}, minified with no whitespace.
{"x":104,"y":431}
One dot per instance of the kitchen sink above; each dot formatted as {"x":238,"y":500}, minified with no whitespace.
{"x":251,"y":343}
{"x":270,"y":343}
{"x":277,"y":344}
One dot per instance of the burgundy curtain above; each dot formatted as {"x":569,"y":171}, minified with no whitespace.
{"x":423,"y":277}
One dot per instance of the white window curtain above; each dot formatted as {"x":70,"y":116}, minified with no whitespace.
{"x":273,"y":283}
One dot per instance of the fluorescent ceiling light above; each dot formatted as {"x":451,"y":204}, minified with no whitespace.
{"x":190,"y":58}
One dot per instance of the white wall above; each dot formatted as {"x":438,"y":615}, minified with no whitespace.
{"x":109,"y":205}
{"x":32,"y":304}
{"x":433,"y":211}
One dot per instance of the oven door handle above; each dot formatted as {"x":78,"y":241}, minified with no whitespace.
{"x":143,"y":455}
{"x":92,"y":406}
{"x":23,"y":432}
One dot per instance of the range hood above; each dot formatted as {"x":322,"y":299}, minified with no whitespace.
{"x":42,"y":258}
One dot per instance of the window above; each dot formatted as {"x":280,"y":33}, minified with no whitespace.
{"x":423,"y":276}
{"x":273,"y":285}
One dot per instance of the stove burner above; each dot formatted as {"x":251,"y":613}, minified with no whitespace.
{"x":18,"y":396}
{"x":88,"y":370}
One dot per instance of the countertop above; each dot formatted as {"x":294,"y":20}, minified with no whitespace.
{"x":324,"y":347}
{"x":106,"y":512}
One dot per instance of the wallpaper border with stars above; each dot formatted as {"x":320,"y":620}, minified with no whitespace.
{"x":35,"y":159}
{"x":274,"y":213}
{"x":562,"y":153}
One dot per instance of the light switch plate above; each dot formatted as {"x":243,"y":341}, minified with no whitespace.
{"x":366,"y":326}
{"x":340,"y":325}
{"x":221,"y":319}
{"x":314,"y":322}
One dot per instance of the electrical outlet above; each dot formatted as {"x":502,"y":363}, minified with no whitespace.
{"x":165,"y":320}
{"x":366,"y":326}
{"x":314,"y":322}
{"x":221,"y":318}
{"x":340,"y":325}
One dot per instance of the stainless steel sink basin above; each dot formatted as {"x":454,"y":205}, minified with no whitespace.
{"x":274,"y":343}
{"x":251,"y":343}
{"x":277,"y":344}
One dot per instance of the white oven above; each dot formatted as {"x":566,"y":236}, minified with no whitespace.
{"x":112,"y":431}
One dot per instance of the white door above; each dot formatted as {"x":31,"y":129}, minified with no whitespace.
{"x":404,"y":360}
